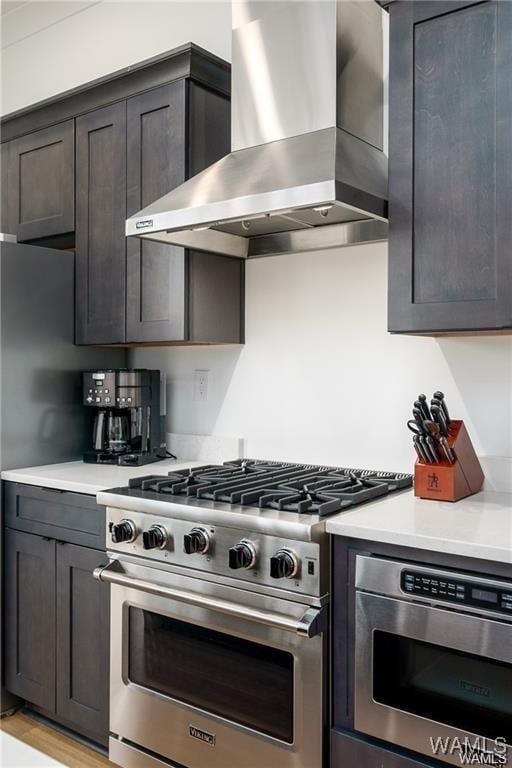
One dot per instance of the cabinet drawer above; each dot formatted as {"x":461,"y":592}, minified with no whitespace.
{"x":70,"y":517}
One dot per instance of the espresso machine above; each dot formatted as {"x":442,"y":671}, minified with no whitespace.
{"x":129,"y":423}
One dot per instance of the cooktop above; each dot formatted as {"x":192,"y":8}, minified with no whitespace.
{"x":300,"y":488}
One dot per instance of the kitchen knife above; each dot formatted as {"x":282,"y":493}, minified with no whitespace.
{"x":438,"y":416}
{"x":422,"y":400}
{"x":440,"y":396}
{"x":423,"y":410}
{"x":431,"y":444}
{"x":425,"y":457}
{"x":417,"y":448}
{"x":422,"y":442}
{"x":447,"y":450}
{"x":436,"y":402}
{"x":417,"y":415}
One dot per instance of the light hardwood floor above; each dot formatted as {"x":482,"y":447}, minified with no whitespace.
{"x":53,"y":743}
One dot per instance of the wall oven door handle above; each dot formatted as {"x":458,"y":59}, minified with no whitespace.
{"x":313,"y":622}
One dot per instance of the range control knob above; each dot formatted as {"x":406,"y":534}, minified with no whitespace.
{"x":284,"y":564}
{"x":242,"y":555}
{"x":197,"y":542}
{"x":125,"y":530}
{"x":155,"y":537}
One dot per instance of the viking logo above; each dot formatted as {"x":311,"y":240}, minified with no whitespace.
{"x":197,"y":733}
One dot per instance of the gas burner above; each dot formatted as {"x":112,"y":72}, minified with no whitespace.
{"x":394,"y":480}
{"x":321,"y":494}
{"x":251,"y":466}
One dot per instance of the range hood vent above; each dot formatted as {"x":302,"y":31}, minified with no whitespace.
{"x":307,"y":169}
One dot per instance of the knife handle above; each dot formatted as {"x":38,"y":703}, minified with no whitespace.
{"x":438,"y":416}
{"x":422,"y":400}
{"x":440,"y":396}
{"x":417,"y":415}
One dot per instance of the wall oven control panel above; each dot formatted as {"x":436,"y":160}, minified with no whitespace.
{"x":457,"y":591}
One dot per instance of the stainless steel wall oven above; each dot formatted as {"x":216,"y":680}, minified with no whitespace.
{"x":433,"y":670}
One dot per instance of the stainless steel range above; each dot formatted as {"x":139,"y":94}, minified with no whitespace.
{"x":220,"y":592}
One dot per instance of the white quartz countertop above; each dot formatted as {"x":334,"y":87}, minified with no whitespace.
{"x":90,"y":478}
{"x":479,"y":526}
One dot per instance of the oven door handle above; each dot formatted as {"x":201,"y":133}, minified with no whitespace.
{"x":312,"y":623}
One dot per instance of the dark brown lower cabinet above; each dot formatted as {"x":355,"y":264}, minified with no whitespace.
{"x":30,"y":617}
{"x":82,"y":640}
{"x":57,"y":631}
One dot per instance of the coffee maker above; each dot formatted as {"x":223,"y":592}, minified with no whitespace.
{"x":129,"y":428}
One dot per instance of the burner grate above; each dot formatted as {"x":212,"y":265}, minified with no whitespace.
{"x":283,"y":486}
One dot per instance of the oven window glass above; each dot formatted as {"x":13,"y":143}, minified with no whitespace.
{"x":242,"y":681}
{"x":469,"y":692}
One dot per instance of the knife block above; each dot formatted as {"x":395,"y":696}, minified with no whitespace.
{"x":451,"y":482}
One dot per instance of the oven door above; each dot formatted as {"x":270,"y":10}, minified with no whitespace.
{"x":209,"y":675}
{"x":433,"y":680}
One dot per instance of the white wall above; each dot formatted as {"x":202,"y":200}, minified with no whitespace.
{"x":318,"y":379}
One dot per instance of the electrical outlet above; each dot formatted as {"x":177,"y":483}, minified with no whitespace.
{"x":201,"y":386}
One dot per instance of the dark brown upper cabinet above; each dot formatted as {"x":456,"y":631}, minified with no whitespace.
{"x":173,"y":294}
{"x":39,"y":184}
{"x":155,"y":273}
{"x":129,"y":138}
{"x":100,"y":291}
{"x":450,"y":167}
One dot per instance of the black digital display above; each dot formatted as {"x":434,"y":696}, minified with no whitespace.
{"x":447,"y":588}
{"x":484,"y":596}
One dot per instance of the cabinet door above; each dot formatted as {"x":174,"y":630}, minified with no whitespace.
{"x":450,"y":166}
{"x":30,"y":618}
{"x":40,"y":190}
{"x":100,"y":223}
{"x":155,"y":165}
{"x":82,"y":641}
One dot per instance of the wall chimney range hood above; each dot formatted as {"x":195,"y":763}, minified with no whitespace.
{"x":307,"y":169}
